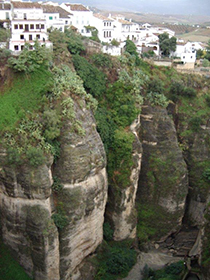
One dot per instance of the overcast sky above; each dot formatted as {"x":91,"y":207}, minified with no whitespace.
{"x":185,"y":7}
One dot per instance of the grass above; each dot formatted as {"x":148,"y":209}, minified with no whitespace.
{"x":9,"y":268}
{"x":24,"y":96}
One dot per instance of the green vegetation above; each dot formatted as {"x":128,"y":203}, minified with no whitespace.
{"x":9,"y":267}
{"x":28,"y":61}
{"x":94,"y":33}
{"x":60,"y":218}
{"x":114,"y":260}
{"x":174,"y":271}
{"x":167,"y":45}
{"x":25,"y":95}
{"x":4,"y":34}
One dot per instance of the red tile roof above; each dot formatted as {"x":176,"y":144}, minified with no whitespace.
{"x":56,"y":9}
{"x":77,"y":7}
{"x":102,"y":17}
{"x":26,"y":5}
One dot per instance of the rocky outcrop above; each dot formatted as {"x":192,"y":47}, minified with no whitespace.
{"x":81,"y":169}
{"x":26,"y":218}
{"x":121,"y":206}
{"x":163,"y":183}
{"x":46,"y":249}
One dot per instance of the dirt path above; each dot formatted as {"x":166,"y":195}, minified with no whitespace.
{"x":154,"y":259}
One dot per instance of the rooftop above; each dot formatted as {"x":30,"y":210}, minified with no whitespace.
{"x":102,"y":17}
{"x":56,"y":9}
{"x":77,"y":7}
{"x":26,"y":5}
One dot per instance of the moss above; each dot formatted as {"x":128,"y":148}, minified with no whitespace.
{"x":9,"y":267}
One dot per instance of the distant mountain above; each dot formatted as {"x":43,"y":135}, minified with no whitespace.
{"x":186,"y":7}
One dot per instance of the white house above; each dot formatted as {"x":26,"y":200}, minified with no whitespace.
{"x":27,"y":24}
{"x":56,"y":17}
{"x":5,"y":13}
{"x":124,"y":29}
{"x":82,"y":17}
{"x":104,"y":26}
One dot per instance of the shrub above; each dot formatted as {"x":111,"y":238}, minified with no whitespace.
{"x":195,"y":123}
{"x":57,"y":186}
{"x":189,"y":92}
{"x":108,"y":232}
{"x":120,"y":260}
{"x":102,"y":60}
{"x":157,"y":99}
{"x":115,"y":43}
{"x":206,"y":175}
{"x":60,"y":219}
{"x":35,"y":156}
{"x":74,"y":42}
{"x":94,"y":80}
{"x":28,"y":60}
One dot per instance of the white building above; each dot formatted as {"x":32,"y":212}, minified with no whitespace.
{"x":5,"y":13}
{"x":27,"y":24}
{"x":104,"y":26}
{"x":56,"y":17}
{"x":82,"y":17}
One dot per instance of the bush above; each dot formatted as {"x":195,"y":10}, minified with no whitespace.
{"x":94,"y":80}
{"x":35,"y":156}
{"x":157,"y":99}
{"x":206,"y":175}
{"x":74,"y":42}
{"x":102,"y":60}
{"x":57,"y":186}
{"x":28,"y":60}
{"x":60,"y":219}
{"x":108,"y":232}
{"x":189,"y":92}
{"x":195,"y":123}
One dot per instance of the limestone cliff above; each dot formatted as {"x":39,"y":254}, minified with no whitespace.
{"x":121,"y":205}
{"x":27,"y":203}
{"x":163,"y":182}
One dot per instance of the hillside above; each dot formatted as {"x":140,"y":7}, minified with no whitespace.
{"x":112,"y":157}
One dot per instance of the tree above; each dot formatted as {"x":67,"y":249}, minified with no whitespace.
{"x":130,"y":47}
{"x":207,"y":55}
{"x":167,"y":45}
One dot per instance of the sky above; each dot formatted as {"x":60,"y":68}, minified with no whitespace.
{"x":182,"y":7}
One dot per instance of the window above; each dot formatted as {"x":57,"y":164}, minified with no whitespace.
{"x":66,"y":22}
{"x":110,"y":24}
{"x":26,"y":27}
{"x":42,"y":26}
{"x":104,"y":34}
{"x":25,"y":16}
{"x":50,"y":18}
{"x":16,"y":26}
{"x":109,"y":33}
{"x":16,"y":48}
{"x":21,"y":26}
{"x":31,"y":26}
{"x":37,"y":26}
{"x":30,"y":38}
{"x":7,"y":15}
{"x":43,"y":39}
{"x":104,"y":23}
{"x":22,"y":47}
{"x":15,"y":15}
{"x":82,"y":30}
{"x":183,"y":56}
{"x":22,"y":37}
{"x":38,"y":36}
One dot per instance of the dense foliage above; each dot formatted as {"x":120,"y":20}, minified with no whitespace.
{"x":167,"y":44}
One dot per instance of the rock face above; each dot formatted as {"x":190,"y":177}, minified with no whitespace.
{"x":81,"y":169}
{"x":121,"y":210}
{"x":163,"y":183}
{"x":26,"y":204}
{"x":26,"y":219}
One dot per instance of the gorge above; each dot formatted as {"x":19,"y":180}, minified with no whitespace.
{"x":112,"y":155}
